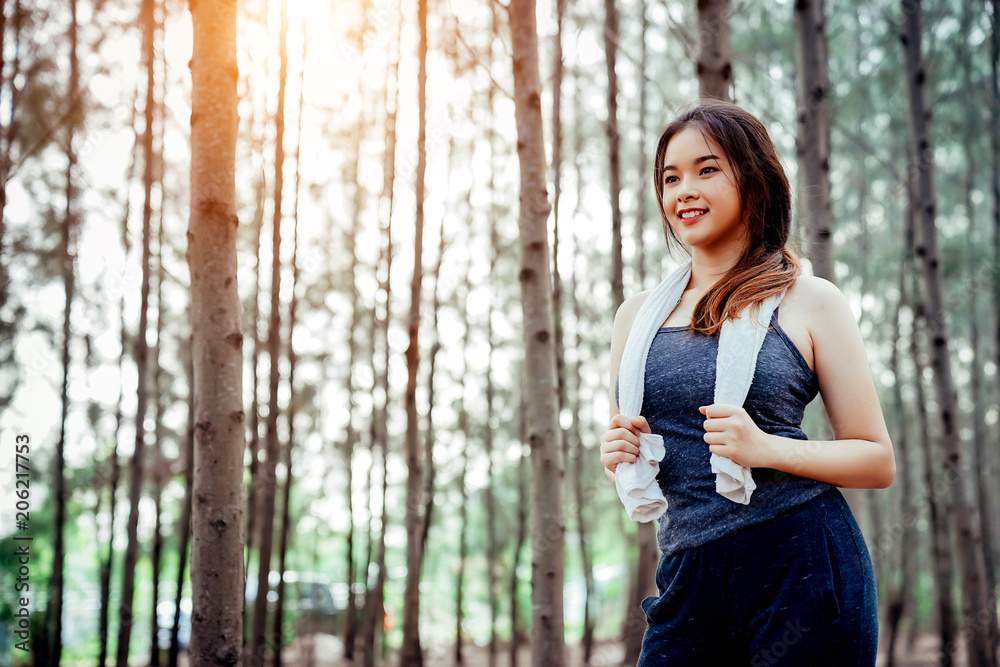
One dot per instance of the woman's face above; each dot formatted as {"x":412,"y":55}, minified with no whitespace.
{"x":700,"y":197}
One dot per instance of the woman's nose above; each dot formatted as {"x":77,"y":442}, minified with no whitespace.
{"x":685,"y":191}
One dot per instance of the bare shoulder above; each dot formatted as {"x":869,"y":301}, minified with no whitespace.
{"x":813,"y":308}
{"x":819,"y":303}
{"x":629,"y":309}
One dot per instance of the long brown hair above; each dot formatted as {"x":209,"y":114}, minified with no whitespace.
{"x":767,"y":264}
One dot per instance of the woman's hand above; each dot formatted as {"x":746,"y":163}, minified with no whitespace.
{"x":730,"y":432}
{"x":620,"y":443}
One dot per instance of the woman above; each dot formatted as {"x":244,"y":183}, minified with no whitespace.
{"x":786,"y":578}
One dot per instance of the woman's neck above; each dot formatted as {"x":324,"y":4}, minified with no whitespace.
{"x":708,"y":268}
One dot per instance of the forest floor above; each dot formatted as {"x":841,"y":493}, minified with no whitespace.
{"x":327,"y":651}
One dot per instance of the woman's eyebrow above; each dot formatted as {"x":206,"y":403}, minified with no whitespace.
{"x":703,"y":158}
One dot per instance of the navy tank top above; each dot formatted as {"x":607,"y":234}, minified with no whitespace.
{"x":680,"y":378}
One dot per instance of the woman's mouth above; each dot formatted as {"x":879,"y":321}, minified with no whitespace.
{"x":691,"y":215}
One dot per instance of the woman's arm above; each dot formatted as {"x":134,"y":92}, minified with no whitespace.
{"x":860,"y":455}
{"x":621,"y":441}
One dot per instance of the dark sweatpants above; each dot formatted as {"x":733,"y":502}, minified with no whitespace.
{"x":798,"y":589}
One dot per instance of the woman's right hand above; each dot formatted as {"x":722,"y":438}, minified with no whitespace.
{"x":620,"y":443}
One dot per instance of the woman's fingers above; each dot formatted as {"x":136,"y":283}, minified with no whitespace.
{"x":641,"y":424}
{"x":612,"y":459}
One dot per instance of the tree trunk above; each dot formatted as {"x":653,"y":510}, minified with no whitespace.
{"x":217,"y":344}
{"x":115,"y":471}
{"x":900,"y":594}
{"x":614,"y":167}
{"x":69,"y":232}
{"x":286,"y":512}
{"x":380,"y":341}
{"x":968,"y":537}
{"x":992,"y":511}
{"x":463,"y":427}
{"x":715,"y":71}
{"x":352,"y":435}
{"x":516,"y":625}
{"x":547,"y":528}
{"x":268,"y":487}
{"x":410,"y":652}
{"x":148,"y":22}
{"x":253,"y":488}
{"x":3,"y":162}
{"x":184,"y":525}
{"x":488,"y":497}
{"x":940,"y":552}
{"x":979,"y":408}
{"x":429,"y":471}
{"x":813,"y":139}
{"x":642,"y":153}
{"x":162,"y":472}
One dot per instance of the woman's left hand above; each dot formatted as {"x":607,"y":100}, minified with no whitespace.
{"x":730,"y":432}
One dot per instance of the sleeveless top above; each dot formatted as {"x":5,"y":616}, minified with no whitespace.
{"x":680,"y":378}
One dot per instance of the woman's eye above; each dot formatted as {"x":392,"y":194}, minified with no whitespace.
{"x":707,"y":170}
{"x":670,"y":179}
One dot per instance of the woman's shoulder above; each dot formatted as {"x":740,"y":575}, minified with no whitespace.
{"x":630,"y":308}
{"x":816,"y":298}
{"x":811,"y":309}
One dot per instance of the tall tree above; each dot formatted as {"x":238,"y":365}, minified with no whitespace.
{"x":968,"y":538}
{"x":547,"y":528}
{"x":576,"y":436}
{"x":640,"y":199}
{"x":380,"y":337}
{"x":976,"y":388}
{"x":289,"y":449}
{"x":351,"y":433}
{"x":715,"y":71}
{"x":147,"y":20}
{"x":614,"y":160}
{"x":268,"y":483}
{"x":516,"y":629}
{"x":69,"y":234}
{"x":410,"y":652}
{"x":115,"y":469}
{"x":463,"y":507}
{"x":217,"y":344}
{"x":184,"y":523}
{"x":812,"y":142}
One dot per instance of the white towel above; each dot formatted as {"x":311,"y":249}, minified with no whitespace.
{"x":740,"y":341}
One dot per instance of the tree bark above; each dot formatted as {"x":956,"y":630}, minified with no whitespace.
{"x":253,"y":488}
{"x":148,"y":22}
{"x":286,"y":513}
{"x":715,"y":71}
{"x":115,"y":471}
{"x":968,"y":537}
{"x":548,"y":530}
{"x":516,"y":629}
{"x":813,"y":138}
{"x":184,"y":525}
{"x":380,"y":337}
{"x":979,"y":408}
{"x":643,"y":155}
{"x":69,"y":232}
{"x":268,"y":488}
{"x":900,"y":596}
{"x":217,"y":344}
{"x":614,"y":162}
{"x":160,"y":473}
{"x":410,"y":652}
{"x":466,"y":431}
{"x":352,"y":434}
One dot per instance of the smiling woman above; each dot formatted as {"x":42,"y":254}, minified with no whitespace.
{"x":713,"y":401}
